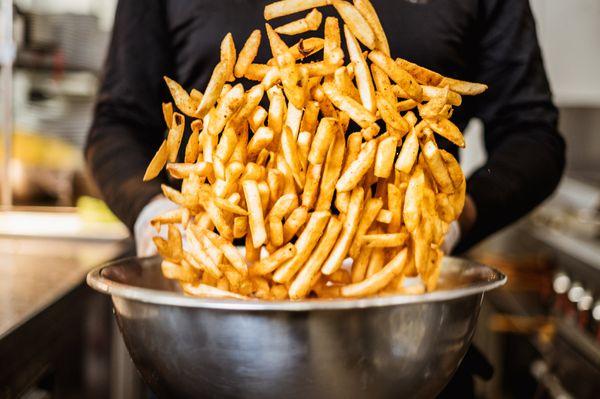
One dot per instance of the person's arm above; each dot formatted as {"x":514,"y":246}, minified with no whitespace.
{"x":128,"y":126}
{"x":526,"y":153}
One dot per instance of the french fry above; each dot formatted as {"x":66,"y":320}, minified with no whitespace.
{"x":292,"y":156}
{"x":353,"y":149}
{"x":384,"y":158}
{"x":344,"y":83}
{"x":391,"y":115}
{"x":310,"y":22}
{"x":181,"y":97}
{"x":207,"y":291}
{"x":260,"y":140}
{"x":304,"y":246}
{"x":247,"y":53}
{"x":408,"y":153}
{"x":258,"y":72}
{"x":411,"y":212}
{"x":303,"y":143}
{"x":385,"y":216}
{"x":255,"y":212}
{"x":384,"y":240}
{"x":397,"y":74}
{"x":358,"y":168}
{"x":336,"y":257}
{"x":228,"y":55}
{"x":311,"y":186}
{"x":167,"y":109}
{"x":276,"y":114}
{"x":395,"y":197}
{"x":306,"y":47}
{"x":353,"y":108}
{"x":301,"y":284}
{"x":175,"y":136}
{"x":332,"y":52}
{"x":437,"y":167}
{"x":257,"y":118}
{"x":462,"y":87}
{"x":324,"y":136}
{"x":448,"y":130}
{"x":230,"y":252}
{"x":355,"y":22}
{"x":157,"y":163}
{"x":331,"y":171}
{"x":378,"y":280}
{"x":213,"y":89}
{"x":369,"y":213}
{"x":376,"y":261}
{"x":368,"y":12}
{"x":294,"y":222}
{"x":250,"y":103}
{"x":359,"y":267}
{"x":240,"y":226}
{"x":287,"y":7}
{"x":227,"y":106}
{"x":278,"y":46}
{"x":421,"y":74}
{"x":310,"y":120}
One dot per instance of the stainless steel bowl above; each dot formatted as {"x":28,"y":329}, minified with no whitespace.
{"x":381,"y":347}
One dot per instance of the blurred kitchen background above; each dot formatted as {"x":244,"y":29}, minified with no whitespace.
{"x":57,"y":339}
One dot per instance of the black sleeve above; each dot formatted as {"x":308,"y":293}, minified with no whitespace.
{"x":128,"y":128}
{"x":526,"y":153}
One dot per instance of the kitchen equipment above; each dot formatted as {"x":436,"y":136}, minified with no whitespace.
{"x":389,"y":346}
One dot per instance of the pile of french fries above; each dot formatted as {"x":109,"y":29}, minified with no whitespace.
{"x":292,"y":181}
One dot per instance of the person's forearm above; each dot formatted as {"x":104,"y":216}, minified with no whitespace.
{"x":520,"y":173}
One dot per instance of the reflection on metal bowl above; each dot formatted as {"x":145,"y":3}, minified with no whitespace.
{"x":379,"y":347}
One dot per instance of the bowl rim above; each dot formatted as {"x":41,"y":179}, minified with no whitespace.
{"x":97,"y":281}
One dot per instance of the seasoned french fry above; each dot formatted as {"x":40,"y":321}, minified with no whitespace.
{"x":368,"y":12}
{"x":462,"y":87}
{"x":336,"y":257}
{"x":287,"y":7}
{"x":437,"y":167}
{"x":359,"y":267}
{"x":332,"y":52}
{"x":294,"y":222}
{"x":182,"y":100}
{"x":260,"y":140}
{"x":412,"y":202}
{"x":207,"y":291}
{"x":376,"y":262}
{"x":408,"y":153}
{"x":304,"y":246}
{"x":301,"y":284}
{"x":331,"y":171}
{"x":167,"y":109}
{"x":448,"y":130}
{"x":255,"y":212}
{"x":384,"y":158}
{"x":353,"y":108}
{"x":158,"y":162}
{"x":292,"y":156}
{"x":247,"y":53}
{"x":213,"y":89}
{"x":361,"y":72}
{"x":398,"y":75}
{"x":353,"y":149}
{"x":358,"y":168}
{"x":384,"y":240}
{"x":344,"y":83}
{"x":385,"y":216}
{"x":356,"y":22}
{"x":369,"y":213}
{"x":378,"y":280}
{"x":391,"y":116}
{"x":175,"y":136}
{"x":278,"y":46}
{"x":306,"y":47}
{"x":228,"y":55}
{"x":311,"y":186}
{"x":310,"y":22}
{"x":324,"y":136}
{"x":257,"y":118}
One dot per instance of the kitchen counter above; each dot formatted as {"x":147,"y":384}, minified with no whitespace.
{"x":43,"y":303}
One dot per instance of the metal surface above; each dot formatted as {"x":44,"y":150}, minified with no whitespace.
{"x":394,"y":346}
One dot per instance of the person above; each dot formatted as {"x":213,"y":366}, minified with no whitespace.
{"x":488,"y":41}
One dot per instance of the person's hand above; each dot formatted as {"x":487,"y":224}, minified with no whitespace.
{"x":143,"y":231}
{"x":460,"y":227}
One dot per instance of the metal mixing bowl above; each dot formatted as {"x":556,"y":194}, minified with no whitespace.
{"x":381,"y":347}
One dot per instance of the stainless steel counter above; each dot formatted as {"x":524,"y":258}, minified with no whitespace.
{"x":34,"y":273}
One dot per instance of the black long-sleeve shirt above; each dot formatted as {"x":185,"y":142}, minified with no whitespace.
{"x":488,"y":41}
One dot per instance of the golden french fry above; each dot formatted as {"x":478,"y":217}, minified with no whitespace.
{"x":370,"y":132}
{"x":448,"y":130}
{"x":252,"y":253}
{"x":361,"y":72}
{"x":353,"y":149}
{"x":260,"y":140}
{"x":384,"y":158}
{"x":331,"y":171}
{"x":344,"y":83}
{"x":265,"y":195}
{"x":430,"y":92}
{"x":421,"y":74}
{"x":200,"y":257}
{"x":228,"y":54}
{"x":304,"y":246}
{"x":249,"y":104}
{"x":437,"y":167}
{"x":396,"y":196}
{"x":278,"y":46}
{"x":294,"y":222}
{"x":227,"y":106}
{"x":384,"y":240}
{"x":462,"y":87}
{"x":306,"y":47}
{"x":369,"y":213}
{"x":167,"y":109}
{"x":368,"y":12}
{"x":287,"y":7}
{"x":255,"y":212}
{"x":257,"y":118}
{"x":207,"y":291}
{"x":398,"y":75}
{"x":301,"y":284}
{"x":181,"y":97}
{"x":376,"y":261}
{"x":385,"y":216}
{"x":213,"y":89}
{"x":247,"y":53}
{"x":339,"y":251}
{"x":332,"y":51}
{"x":359,"y":267}
{"x":358,"y":168}
{"x":355,"y":22}
{"x":391,"y":116}
{"x":175,"y":136}
{"x":353,"y":108}
{"x":310,"y":22}
{"x":454,"y":168}
{"x":157,"y":163}
{"x":311,"y":185}
{"x":324,"y":136}
{"x":292,"y":157}
{"x":304,"y":142}
{"x":277,"y":111}
{"x":378,"y":280}
{"x":258,"y":72}
{"x":274,"y":260}
{"x":408,"y":153}
{"x":310,"y":117}
{"x":227,"y":206}
{"x":411,"y":212}
{"x":240,"y":226}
